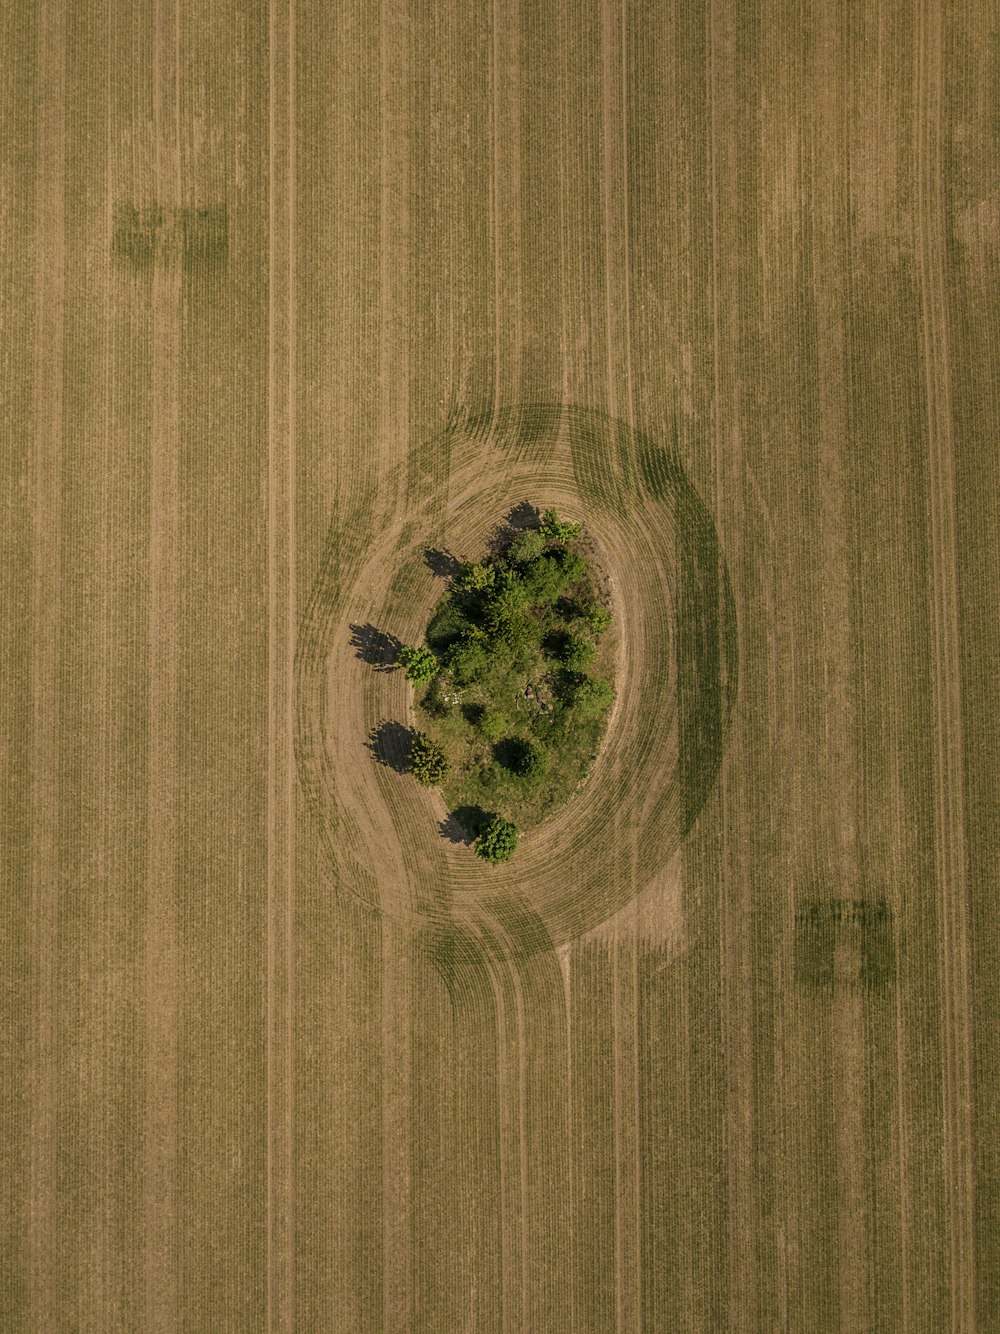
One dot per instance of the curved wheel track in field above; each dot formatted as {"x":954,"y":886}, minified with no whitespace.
{"x":675,"y":676}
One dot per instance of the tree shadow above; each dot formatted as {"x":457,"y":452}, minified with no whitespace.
{"x":517,"y":520}
{"x":513,"y":754}
{"x":523,"y":516}
{"x":464,"y":824}
{"x":442,"y":563}
{"x":374,"y":646}
{"x":390,"y":744}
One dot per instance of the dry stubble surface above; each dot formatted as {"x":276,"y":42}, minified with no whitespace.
{"x":266,"y":272}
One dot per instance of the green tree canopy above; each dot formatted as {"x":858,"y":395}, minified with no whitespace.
{"x":476,"y":576}
{"x":418,"y":663}
{"x":553,"y":527}
{"x":526,"y":547}
{"x":504,"y":615}
{"x":578,"y":653}
{"x":497,"y":841}
{"x":573,"y":565}
{"x":428,"y":762}
{"x":544,"y":580}
{"x":468,"y":659}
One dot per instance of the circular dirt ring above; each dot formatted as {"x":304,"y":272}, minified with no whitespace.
{"x":386,"y":838}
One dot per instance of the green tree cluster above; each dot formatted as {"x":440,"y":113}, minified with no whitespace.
{"x":505,"y":677}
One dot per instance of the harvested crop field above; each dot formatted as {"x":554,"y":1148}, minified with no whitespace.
{"x":296,"y":295}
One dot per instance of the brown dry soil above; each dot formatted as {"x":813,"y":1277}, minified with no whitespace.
{"x":293,"y":293}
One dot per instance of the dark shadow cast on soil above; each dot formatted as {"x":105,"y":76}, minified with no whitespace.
{"x":390,"y":744}
{"x":442,"y":563}
{"x":463,"y":824}
{"x":518,"y":520}
{"x":376,"y":647}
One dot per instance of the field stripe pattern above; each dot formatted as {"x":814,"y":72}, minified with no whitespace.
{"x":294,"y":292}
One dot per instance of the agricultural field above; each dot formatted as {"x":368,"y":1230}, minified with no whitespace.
{"x":295,"y":295}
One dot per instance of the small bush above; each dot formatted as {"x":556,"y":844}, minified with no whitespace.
{"x":468,"y":660}
{"x":497,"y":841}
{"x":437,"y":701}
{"x":591,"y":696}
{"x":418,"y":663}
{"x":428,"y":762}
{"x":554,"y":528}
{"x":521,"y":757}
{"x":597,"y":617}
{"x":533,"y":764}
{"x":492,"y":724}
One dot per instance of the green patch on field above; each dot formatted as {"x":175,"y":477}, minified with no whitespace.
{"x":845,"y":943}
{"x":197,"y":235}
{"x":521,"y":698}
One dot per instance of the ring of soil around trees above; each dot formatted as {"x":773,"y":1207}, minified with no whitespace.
{"x":672,"y":655}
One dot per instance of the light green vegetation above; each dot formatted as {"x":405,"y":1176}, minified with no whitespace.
{"x":418,"y":663}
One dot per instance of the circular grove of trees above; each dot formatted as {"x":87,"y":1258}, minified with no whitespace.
{"x":512,"y":682}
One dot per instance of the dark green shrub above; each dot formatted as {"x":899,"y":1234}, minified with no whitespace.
{"x":497,"y":841}
{"x":428,"y":762}
{"x":521,"y":757}
{"x":448,"y":624}
{"x":577,"y":654}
